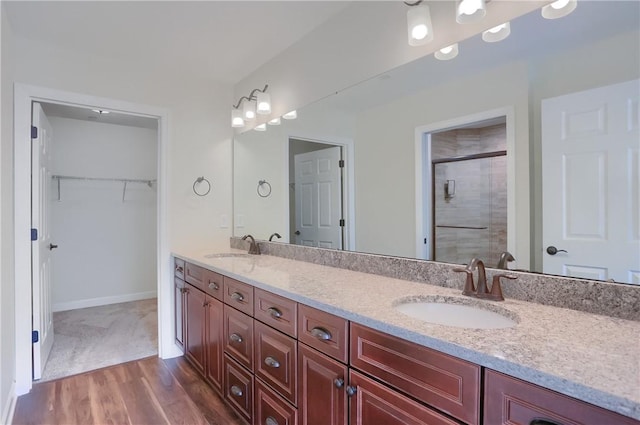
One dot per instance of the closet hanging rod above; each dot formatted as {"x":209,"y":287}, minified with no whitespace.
{"x":145,"y":181}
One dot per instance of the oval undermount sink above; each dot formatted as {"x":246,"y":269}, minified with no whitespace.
{"x":461,"y":313}
{"x":226,"y":255}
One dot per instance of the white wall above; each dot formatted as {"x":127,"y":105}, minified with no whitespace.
{"x":7,"y":288}
{"x":106,"y":247}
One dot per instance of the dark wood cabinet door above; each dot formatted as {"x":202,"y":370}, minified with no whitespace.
{"x":195,"y":326}
{"x":213,"y":343}
{"x":179,"y":310}
{"x":322,"y":398}
{"x":510,"y":401}
{"x":374,"y":403}
{"x":271,"y":409}
{"x":276,"y":360}
{"x":238,"y":336}
{"x":238,"y":388}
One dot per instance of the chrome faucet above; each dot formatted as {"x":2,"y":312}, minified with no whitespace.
{"x":505,"y":257}
{"x":277,"y":235}
{"x":482,"y":290}
{"x":253,"y":248}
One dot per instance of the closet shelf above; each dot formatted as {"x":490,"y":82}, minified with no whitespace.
{"x":149,"y":182}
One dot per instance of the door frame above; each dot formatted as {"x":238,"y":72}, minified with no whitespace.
{"x":424,"y":179}
{"x":348,"y":187}
{"x":24,"y":95}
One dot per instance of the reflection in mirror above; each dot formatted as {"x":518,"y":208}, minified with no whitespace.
{"x":384,"y":124}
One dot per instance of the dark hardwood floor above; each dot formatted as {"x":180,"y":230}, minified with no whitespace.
{"x":147,"y":391}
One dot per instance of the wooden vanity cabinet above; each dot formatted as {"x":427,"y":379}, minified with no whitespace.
{"x":195,"y":275}
{"x":178,"y":310}
{"x":511,"y":401}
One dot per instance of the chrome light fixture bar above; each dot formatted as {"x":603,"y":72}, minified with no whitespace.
{"x":254,"y":103}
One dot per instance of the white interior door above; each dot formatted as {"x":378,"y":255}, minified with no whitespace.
{"x":318,"y":191}
{"x":591,"y":184}
{"x":41,"y":247}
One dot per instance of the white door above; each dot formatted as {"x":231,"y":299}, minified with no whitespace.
{"x":591,"y":188}
{"x":41,"y":248}
{"x":318,"y":191}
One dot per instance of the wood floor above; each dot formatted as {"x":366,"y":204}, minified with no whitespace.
{"x":146,"y":392}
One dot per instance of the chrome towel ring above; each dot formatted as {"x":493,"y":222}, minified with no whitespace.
{"x":266,"y":192}
{"x":197,"y":183}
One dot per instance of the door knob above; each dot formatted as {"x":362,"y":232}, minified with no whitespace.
{"x":52,"y":246}
{"x":297,"y":232}
{"x":552,"y":250}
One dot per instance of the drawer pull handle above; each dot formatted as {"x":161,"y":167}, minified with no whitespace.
{"x":183,"y":290}
{"x":321,"y":333}
{"x":235,"y":338}
{"x":538,"y":421}
{"x":236,"y":391}
{"x":179,"y":269}
{"x":237,"y":296}
{"x":214,"y":286}
{"x":351,"y":391}
{"x":270,"y":421}
{"x":271,"y":362}
{"x":338,"y":382}
{"x":274,"y":312}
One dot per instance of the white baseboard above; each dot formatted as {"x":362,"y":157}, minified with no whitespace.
{"x":94,"y":302}
{"x":9,"y":406}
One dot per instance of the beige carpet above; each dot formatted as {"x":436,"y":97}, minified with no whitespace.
{"x":95,"y":337}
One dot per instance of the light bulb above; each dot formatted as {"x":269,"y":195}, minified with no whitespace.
{"x":419,"y":32}
{"x":249,"y":110}
{"x":264,"y":104}
{"x":291,"y":115}
{"x":236,"y":118}
{"x":497,"y":33}
{"x":469,"y":7}
{"x":496,"y":28}
{"x":559,"y":9}
{"x":419,"y":29}
{"x":446,"y":50}
{"x":447,"y":53}
{"x":470,"y":11}
{"x":559,"y":4}
{"x":275,"y":121}
{"x":261,"y":127}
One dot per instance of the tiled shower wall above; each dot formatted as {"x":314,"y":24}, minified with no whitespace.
{"x":480,"y":199}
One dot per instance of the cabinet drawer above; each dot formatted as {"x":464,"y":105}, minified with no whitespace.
{"x":238,"y":336}
{"x":178,"y":268}
{"x":194,"y":275}
{"x":439,"y":380}
{"x":271,"y":409}
{"x":238,"y":388}
{"x":238,"y":295}
{"x":374,"y":403}
{"x":276,"y":311}
{"x":323,"y":331}
{"x":511,"y":401}
{"x":212,"y":283}
{"x":276,"y":357}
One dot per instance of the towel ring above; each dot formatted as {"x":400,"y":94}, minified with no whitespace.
{"x":260,"y":184}
{"x":198,"y":181}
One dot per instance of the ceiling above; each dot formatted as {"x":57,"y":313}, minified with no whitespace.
{"x":219,"y":40}
{"x":85,"y":114}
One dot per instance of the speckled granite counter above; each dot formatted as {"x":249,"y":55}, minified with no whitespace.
{"x":590,"y":357}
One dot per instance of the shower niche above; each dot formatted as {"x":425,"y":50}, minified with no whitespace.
{"x":469,"y":167}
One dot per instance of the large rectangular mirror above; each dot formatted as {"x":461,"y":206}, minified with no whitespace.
{"x":445,"y":160}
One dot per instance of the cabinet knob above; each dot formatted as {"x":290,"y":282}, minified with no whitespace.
{"x":270,"y":421}
{"x":274,"y":312}
{"x":235,"y":338}
{"x":321,"y":333}
{"x":351,"y":391}
{"x":206,"y":303}
{"x":271,"y":362}
{"x":236,"y":391}
{"x":237,"y":296}
{"x":214,"y":286}
{"x":338,"y":382}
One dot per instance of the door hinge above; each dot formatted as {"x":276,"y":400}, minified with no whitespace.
{"x":34,"y":132}
{"x":341,"y":163}
{"x":342,"y":222}
{"x":34,"y":234}
{"x":35,"y":336}
{"x":425,"y":241}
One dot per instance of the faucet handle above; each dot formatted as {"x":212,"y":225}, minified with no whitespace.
{"x":469,"y":287}
{"x":496,"y":288}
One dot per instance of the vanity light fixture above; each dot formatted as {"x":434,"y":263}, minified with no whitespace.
{"x":497,"y":33}
{"x":470,"y":11}
{"x":559,"y":8}
{"x":291,"y":115}
{"x":275,"y":121}
{"x":260,"y":103}
{"x":447,"y":53}
{"x":261,"y":127}
{"x":419,"y":28}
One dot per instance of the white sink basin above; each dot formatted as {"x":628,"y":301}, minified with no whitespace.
{"x":458,"y":312}
{"x":226,"y":255}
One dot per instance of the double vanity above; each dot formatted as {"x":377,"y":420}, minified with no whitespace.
{"x":291,"y":342}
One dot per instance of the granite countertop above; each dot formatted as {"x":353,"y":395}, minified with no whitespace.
{"x":591,"y":357}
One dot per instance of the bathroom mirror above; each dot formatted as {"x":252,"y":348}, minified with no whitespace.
{"x":378,"y":125}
